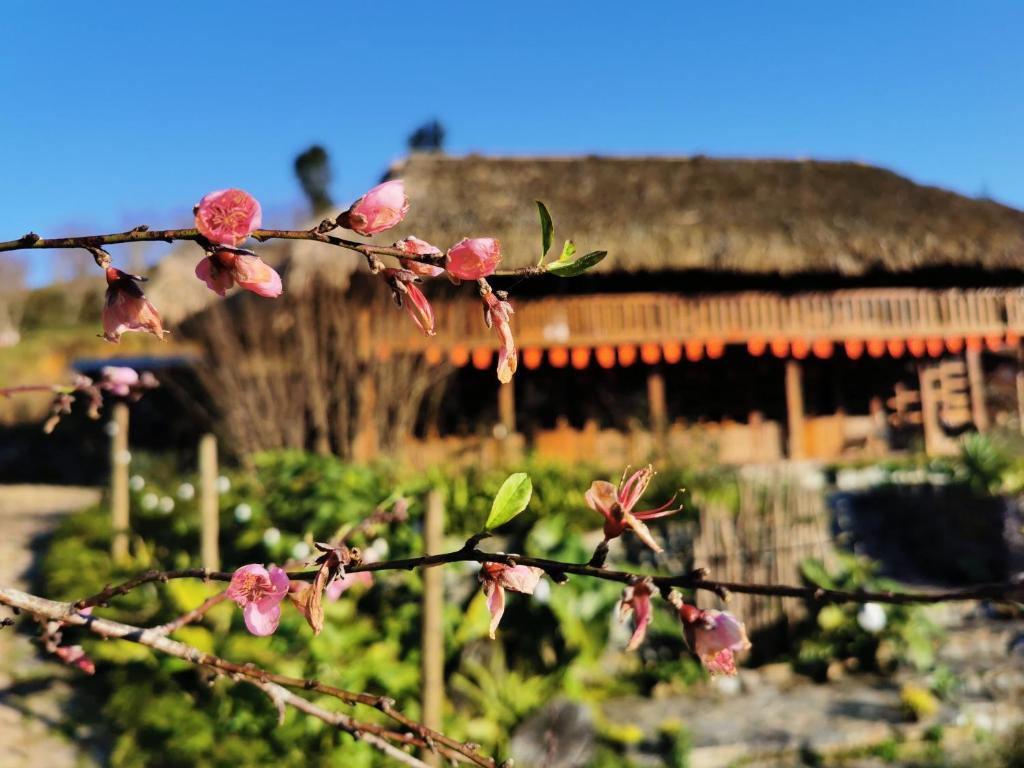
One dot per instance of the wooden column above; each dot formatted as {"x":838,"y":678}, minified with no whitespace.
{"x":209,"y":505}
{"x":1020,"y":388}
{"x":367,"y":438}
{"x":976,"y":376}
{"x":656,"y":401}
{"x":507,"y":407}
{"x":433,"y":624}
{"x":795,"y":408}
{"x":120,"y":458}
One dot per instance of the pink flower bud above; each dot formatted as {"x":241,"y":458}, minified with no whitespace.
{"x":497,"y":577}
{"x":408,"y":295}
{"x":715,"y":637}
{"x":225,"y":268}
{"x":471,"y":259}
{"x":417,"y":247}
{"x":127,"y":309}
{"x":636,"y":600}
{"x":381,"y":208}
{"x":497,"y":313}
{"x":259,"y":593}
{"x":118,"y":381}
{"x":228,"y":216}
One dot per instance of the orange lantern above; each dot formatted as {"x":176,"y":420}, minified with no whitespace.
{"x":935,"y":347}
{"x":756,"y":346}
{"x":580,"y":357}
{"x":917,"y":347}
{"x":974,"y":343}
{"x":532,"y":357}
{"x":650,"y":353}
{"x":605,"y":356}
{"x":822,"y":348}
{"x":854,"y":348}
{"x":955,"y":345}
{"x":780,"y":347}
{"x":383,"y":352}
{"x":694,"y":351}
{"x":482,"y":358}
{"x":1012,"y":338}
{"x":896,"y":347}
{"x":716,"y":348}
{"x":433,"y":355}
{"x":800,"y":348}
{"x":876,"y":347}
{"x":627,"y":355}
{"x":994,"y":342}
{"x":672,"y":351}
{"x":558,"y":357}
{"x":459,"y":356}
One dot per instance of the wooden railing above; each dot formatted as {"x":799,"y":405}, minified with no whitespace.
{"x":633,"y":318}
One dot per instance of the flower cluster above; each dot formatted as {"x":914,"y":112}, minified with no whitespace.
{"x":116,"y":381}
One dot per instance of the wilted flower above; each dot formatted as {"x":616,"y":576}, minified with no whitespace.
{"x":473,"y":258}
{"x":75,"y":656}
{"x":228,"y":216}
{"x":223,"y":268}
{"x":497,"y":577}
{"x":416,"y":247}
{"x":636,"y":600}
{"x":343,"y":583}
{"x":616,"y":504}
{"x":381,"y":208}
{"x":714,"y":636}
{"x":126,"y":307}
{"x":408,"y":295}
{"x":497,"y":314}
{"x":259,"y":592}
{"x":118,"y":380}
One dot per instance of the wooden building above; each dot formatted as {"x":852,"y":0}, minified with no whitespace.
{"x":749,"y":310}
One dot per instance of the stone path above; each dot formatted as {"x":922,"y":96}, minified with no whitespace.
{"x":32,"y":689}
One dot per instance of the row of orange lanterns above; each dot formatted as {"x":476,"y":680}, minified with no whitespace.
{"x":625,"y":355}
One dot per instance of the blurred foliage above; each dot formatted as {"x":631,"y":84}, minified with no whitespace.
{"x":151,"y":710}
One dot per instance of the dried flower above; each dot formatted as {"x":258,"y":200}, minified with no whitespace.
{"x":126,"y":307}
{"x":416,"y":247}
{"x":497,"y":577}
{"x":381,"y":208}
{"x":259,"y":593}
{"x":346,"y":581}
{"x":228,"y":216}
{"x":636,"y":600}
{"x":473,"y":258}
{"x":408,"y":295}
{"x":616,"y":504}
{"x":714,"y":636}
{"x":497,"y":315}
{"x":223,"y":268}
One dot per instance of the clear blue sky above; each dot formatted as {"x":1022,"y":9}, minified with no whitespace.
{"x":118,"y":113}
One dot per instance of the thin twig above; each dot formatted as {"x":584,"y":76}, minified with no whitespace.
{"x":194,"y":615}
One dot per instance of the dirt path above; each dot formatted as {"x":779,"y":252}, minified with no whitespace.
{"x":32,"y":690}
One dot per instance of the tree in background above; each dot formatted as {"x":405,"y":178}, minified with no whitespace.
{"x":429,"y":137}
{"x":313,"y":167}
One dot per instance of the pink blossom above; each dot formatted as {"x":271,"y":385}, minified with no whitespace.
{"x":381,"y":208}
{"x":408,"y":295}
{"x":118,"y":380}
{"x":636,"y":600}
{"x":75,"y":656}
{"x":497,"y":314}
{"x":126,"y":307}
{"x":715,"y":637}
{"x":417,"y":247}
{"x":343,"y":583}
{"x":616,"y":504}
{"x":228,"y":216}
{"x":259,"y":593}
{"x":224,"y":268}
{"x":473,"y":258}
{"x":497,"y":577}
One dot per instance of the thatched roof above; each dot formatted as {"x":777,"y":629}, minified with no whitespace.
{"x":750,"y":216}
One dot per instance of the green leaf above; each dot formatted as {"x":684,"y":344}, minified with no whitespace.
{"x":568,"y":251}
{"x":512,"y":498}
{"x":578,"y":267}
{"x":547,"y":230}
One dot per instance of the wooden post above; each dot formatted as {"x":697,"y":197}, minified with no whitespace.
{"x":1020,"y":388}
{"x":976,"y":376}
{"x":795,"y":408}
{"x":367,"y":439}
{"x":433,"y":625}
{"x":209,"y":506}
{"x":507,"y":407}
{"x":120,"y":458}
{"x":656,"y":401}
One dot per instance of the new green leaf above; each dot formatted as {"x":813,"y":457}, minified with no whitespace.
{"x":568,"y":251}
{"x":578,"y":267}
{"x":512,"y":498}
{"x":547,"y":230}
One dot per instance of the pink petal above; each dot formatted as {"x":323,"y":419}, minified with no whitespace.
{"x":495,"y":604}
{"x":217,"y":278}
{"x":228,"y":216}
{"x":473,"y":258}
{"x":253,"y":274}
{"x":381,"y":208}
{"x":601,"y":497}
{"x":261,"y":619}
{"x":519,"y":578}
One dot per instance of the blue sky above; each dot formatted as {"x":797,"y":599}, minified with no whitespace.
{"x":120,"y":113}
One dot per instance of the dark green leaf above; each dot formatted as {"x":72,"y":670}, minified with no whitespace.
{"x":512,"y":498}
{"x":547,"y":230}
{"x":578,"y":267}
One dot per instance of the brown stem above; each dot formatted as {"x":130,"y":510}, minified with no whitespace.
{"x":194,"y":615}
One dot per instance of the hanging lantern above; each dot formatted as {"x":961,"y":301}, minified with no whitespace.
{"x":672,"y":352}
{"x":694,"y":351}
{"x":532,"y":358}
{"x":1012,"y":339}
{"x":780,"y":346}
{"x":896,"y":347}
{"x":650,"y":353}
{"x":580,"y":357}
{"x":800,"y":348}
{"x":935,"y":346}
{"x":994,"y":342}
{"x":822,"y":348}
{"x":756,"y":346}
{"x":955,"y":344}
{"x":715,"y":348}
{"x":854,"y":348}
{"x":433,"y":355}
{"x":627,"y":355}
{"x":558,"y":357}
{"x":605,"y":356}
{"x":876,"y":347}
{"x":482,"y":358}
{"x":917,"y":347}
{"x":459,"y":356}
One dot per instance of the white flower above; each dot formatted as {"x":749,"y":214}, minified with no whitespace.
{"x":136,"y":482}
{"x":149,"y":501}
{"x":300,"y":551}
{"x":271,"y":537}
{"x":166,"y":504}
{"x":186,"y":491}
{"x":243,"y":513}
{"x":223,"y":484}
{"x":871,"y":618}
